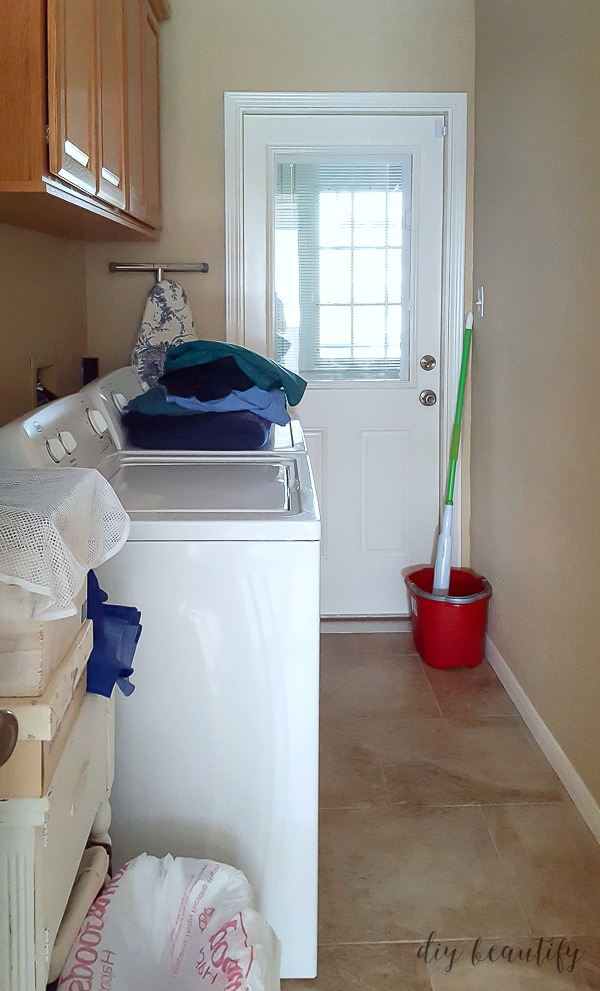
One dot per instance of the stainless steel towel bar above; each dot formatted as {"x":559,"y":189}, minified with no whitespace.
{"x":159,"y":268}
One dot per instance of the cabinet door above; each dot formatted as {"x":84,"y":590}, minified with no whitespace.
{"x":151,"y":103}
{"x":72,"y":88}
{"x":137,"y":200}
{"x":143,"y":112}
{"x":111,"y":101}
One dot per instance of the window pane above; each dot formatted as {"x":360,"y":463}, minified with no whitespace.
{"x":369,"y":275}
{"x":334,"y":355}
{"x":339,"y":272}
{"x":394,"y":275}
{"x":335,"y":220}
{"x":369,"y":219}
{"x":335,"y":276}
{"x":394,"y":328}
{"x":366,"y":355}
{"x":335,"y":325}
{"x":395,"y":219}
{"x":369,"y":326}
{"x":286,"y":275}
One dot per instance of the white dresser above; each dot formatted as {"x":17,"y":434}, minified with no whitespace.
{"x":41,"y":844}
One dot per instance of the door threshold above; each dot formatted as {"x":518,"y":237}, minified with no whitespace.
{"x":365,"y":624}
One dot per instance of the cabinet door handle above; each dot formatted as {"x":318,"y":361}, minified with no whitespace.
{"x":111,"y":177}
{"x":74,"y":152}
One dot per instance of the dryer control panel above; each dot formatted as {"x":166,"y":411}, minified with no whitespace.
{"x":67,"y":432}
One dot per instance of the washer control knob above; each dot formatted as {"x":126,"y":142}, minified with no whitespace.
{"x":119,"y":400}
{"x":67,"y":440}
{"x":55,"y":449}
{"x":99,"y":424}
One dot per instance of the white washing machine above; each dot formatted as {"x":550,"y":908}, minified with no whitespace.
{"x":217,"y":749}
{"x":111,"y":393}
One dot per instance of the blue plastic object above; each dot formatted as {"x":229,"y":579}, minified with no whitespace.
{"x":117,"y":630}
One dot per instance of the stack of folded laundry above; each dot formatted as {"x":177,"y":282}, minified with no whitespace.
{"x":212,"y":396}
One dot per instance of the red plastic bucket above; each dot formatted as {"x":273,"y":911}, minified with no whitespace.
{"x":449,"y":631}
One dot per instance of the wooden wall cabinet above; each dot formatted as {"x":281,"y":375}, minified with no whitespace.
{"x":79,"y":112}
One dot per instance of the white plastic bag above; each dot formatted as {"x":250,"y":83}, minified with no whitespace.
{"x":180,"y":924}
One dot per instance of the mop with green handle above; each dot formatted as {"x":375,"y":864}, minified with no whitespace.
{"x":441,"y":571}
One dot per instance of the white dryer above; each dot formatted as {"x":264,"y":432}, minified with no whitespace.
{"x":217,"y":749}
{"x":111,"y":393}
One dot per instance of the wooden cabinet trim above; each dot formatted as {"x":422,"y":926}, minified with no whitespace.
{"x":23,"y":111}
{"x":160,"y":9}
{"x":55,"y":208}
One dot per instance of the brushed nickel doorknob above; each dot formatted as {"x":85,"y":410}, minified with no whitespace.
{"x":428,"y":398}
{"x":428,"y":362}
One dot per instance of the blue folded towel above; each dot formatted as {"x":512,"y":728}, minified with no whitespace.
{"x":270,"y":404}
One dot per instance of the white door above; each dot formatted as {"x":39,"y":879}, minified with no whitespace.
{"x":342,"y":243}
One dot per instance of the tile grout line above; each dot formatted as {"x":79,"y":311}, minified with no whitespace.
{"x":505,"y":869}
{"x":431,"y":689}
{"x":385,"y":785}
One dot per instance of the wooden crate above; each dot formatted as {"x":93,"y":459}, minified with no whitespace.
{"x":30,"y":650}
{"x":39,"y":716}
{"x":28,"y":772}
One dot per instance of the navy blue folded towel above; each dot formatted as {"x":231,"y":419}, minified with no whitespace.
{"x":239,"y":431}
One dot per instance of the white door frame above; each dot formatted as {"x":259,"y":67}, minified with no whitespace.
{"x":453,"y":108}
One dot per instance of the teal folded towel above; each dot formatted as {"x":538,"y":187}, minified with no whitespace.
{"x":264,"y":372}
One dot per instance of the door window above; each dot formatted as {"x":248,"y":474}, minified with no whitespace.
{"x":341,"y":262}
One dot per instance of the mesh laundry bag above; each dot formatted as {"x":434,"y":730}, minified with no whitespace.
{"x":56,"y":524}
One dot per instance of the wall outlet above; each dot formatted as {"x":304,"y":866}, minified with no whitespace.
{"x":45,"y":384}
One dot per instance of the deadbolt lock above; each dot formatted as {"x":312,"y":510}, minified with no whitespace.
{"x":428,"y":398}
{"x":428,"y":362}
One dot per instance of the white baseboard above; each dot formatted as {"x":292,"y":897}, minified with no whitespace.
{"x":576,"y":787}
{"x":380,"y":624}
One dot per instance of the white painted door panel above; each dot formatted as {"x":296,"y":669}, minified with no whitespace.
{"x":371,"y":478}
{"x":374,"y":446}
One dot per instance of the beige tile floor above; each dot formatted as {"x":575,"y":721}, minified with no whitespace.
{"x":439,"y":814}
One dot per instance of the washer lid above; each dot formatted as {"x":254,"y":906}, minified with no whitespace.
{"x":228,"y":498}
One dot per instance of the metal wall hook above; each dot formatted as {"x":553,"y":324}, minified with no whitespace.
{"x":159,"y":268}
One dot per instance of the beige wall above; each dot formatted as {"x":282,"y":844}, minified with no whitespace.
{"x":536,"y":398}
{"x":44,"y":315}
{"x":263,"y":45}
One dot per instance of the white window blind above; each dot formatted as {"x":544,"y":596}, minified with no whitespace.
{"x":342,"y":266}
